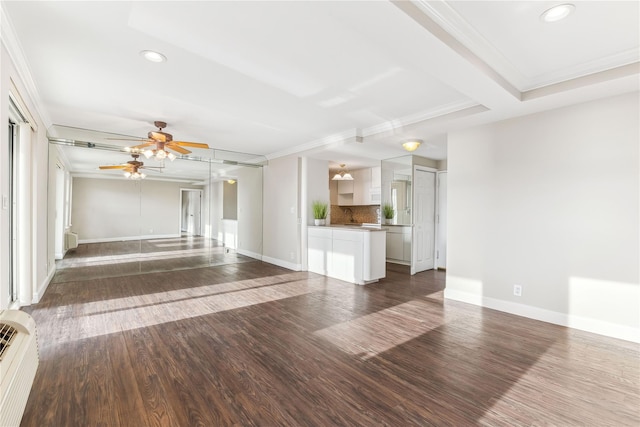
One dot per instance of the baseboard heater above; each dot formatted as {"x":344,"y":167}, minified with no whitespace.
{"x":71,"y":240}
{"x":18,"y":364}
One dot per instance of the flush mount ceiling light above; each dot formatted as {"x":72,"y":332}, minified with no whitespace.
{"x":342,"y":175}
{"x":557,"y":13}
{"x":231,"y":181}
{"x":412,"y":144}
{"x":153,"y":56}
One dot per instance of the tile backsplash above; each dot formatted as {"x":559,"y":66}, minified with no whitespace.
{"x":355,"y":214}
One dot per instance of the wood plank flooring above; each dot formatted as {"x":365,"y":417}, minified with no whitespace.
{"x":123,"y":258}
{"x":253,"y":344}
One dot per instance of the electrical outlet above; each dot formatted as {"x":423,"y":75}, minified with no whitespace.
{"x":517,"y":290}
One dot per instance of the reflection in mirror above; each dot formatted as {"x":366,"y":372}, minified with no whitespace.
{"x":396,"y":187}
{"x":170,"y":219}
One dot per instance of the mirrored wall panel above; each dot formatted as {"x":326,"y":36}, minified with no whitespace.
{"x":125,"y":205}
{"x":396,"y":188}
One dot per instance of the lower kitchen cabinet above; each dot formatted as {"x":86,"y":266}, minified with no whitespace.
{"x":355,"y":255}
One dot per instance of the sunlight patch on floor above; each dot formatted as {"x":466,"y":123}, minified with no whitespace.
{"x":169,"y":245}
{"x":375,"y":333}
{"x":111,"y":316}
{"x":135,"y":257}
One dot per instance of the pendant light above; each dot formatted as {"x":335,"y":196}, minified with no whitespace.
{"x":342,"y":175}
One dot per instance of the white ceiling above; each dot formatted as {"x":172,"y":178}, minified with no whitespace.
{"x":342,"y":81}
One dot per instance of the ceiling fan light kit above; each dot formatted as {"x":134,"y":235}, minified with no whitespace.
{"x":163,"y":142}
{"x":132,"y":168}
{"x":134,"y":175}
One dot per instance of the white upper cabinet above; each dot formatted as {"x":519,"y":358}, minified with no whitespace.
{"x":361,"y":186}
{"x":333,"y":192}
{"x":345,"y":187}
{"x":363,"y":190}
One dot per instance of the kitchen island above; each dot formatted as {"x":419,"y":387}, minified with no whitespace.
{"x":355,"y":254}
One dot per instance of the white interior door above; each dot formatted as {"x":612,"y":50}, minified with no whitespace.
{"x":441,"y":228}
{"x":191,"y":212}
{"x":195,"y":209}
{"x":423,"y":220}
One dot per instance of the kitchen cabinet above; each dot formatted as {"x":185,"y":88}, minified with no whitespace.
{"x":364,"y":189}
{"x":333,"y":192}
{"x":345,"y":193}
{"x":355,"y":255}
{"x":361,"y":186}
{"x":376,"y":177}
{"x":345,"y":187}
{"x":398,"y":244}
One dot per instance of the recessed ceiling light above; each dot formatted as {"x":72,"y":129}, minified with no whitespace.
{"x":153,"y":56}
{"x":557,"y":13}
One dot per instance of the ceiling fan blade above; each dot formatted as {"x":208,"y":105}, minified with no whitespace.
{"x":151,"y":167}
{"x":114,"y":167}
{"x":190,"y":144}
{"x":146,"y":144}
{"x":177,"y":148}
{"x":128,"y":139}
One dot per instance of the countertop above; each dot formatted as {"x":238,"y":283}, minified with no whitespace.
{"x":352,"y":227}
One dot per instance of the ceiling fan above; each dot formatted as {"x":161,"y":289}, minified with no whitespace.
{"x":132,"y":167}
{"x":162,"y":141}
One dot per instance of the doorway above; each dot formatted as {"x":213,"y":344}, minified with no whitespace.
{"x":424,"y":219}
{"x":10,"y":203}
{"x":18,"y":204}
{"x":190,"y":212}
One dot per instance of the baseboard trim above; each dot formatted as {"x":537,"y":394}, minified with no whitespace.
{"x":599,"y":327}
{"x":281,"y":263}
{"x":42,"y":288}
{"x":250,"y":254}
{"x":129,"y":238}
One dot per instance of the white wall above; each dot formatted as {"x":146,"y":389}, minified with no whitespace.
{"x":212,"y":209}
{"x":550,"y":202}
{"x":315,"y":186}
{"x":120,"y":209}
{"x":250,"y":205}
{"x":281,"y":213}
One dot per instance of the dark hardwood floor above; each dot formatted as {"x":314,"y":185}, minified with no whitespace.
{"x":251,"y":343}
{"x":124,"y":258}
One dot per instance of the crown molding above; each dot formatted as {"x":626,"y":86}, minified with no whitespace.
{"x":601,"y":65}
{"x":342,"y":137}
{"x":419,"y":117}
{"x":460,"y":29}
{"x":358,"y":135}
{"x":16,"y":53}
{"x":99,"y":175}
